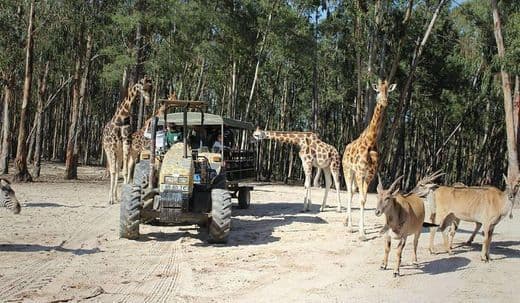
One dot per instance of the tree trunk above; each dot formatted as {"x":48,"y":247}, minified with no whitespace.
{"x":257,"y":67}
{"x":406,"y":91}
{"x":6,"y":133}
{"x":512,"y":153}
{"x":21,"y":172}
{"x":516,"y":106}
{"x":42,"y":91}
{"x":315,"y":94}
{"x":79,"y":89}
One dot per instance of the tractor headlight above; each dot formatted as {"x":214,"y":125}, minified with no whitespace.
{"x":182,"y":180}
{"x":176,"y":180}
{"x":169,"y":179}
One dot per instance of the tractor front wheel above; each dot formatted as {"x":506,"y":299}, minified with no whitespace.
{"x":220,"y":224}
{"x":129,"y":217}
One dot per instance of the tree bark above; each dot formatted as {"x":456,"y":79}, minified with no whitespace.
{"x":6,"y":133}
{"x":21,"y":172}
{"x":42,"y":91}
{"x":406,"y":91}
{"x":257,"y":67}
{"x":512,"y":153}
{"x":80,"y":87}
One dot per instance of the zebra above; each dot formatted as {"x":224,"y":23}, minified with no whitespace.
{"x":7,"y":197}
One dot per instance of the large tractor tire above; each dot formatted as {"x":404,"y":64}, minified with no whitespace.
{"x":129,"y":216}
{"x":220,"y":224}
{"x":141,"y":173}
{"x":244,"y":198}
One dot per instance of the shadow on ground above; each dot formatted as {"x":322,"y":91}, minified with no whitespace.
{"x":439,"y":266}
{"x":41,"y":248}
{"x":497,"y":248}
{"x":49,"y":204}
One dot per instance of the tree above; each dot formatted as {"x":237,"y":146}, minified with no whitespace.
{"x":512,"y":153}
{"x":21,"y":172}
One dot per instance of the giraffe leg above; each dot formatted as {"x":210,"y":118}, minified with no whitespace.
{"x":111,"y":158}
{"x":308,"y":177}
{"x":349,"y":179}
{"x":316,"y":182}
{"x":363,"y":187}
{"x":116,"y":180}
{"x":126,"y":150}
{"x":335,"y":176}
{"x":328,"y":181}
{"x":131,"y":165}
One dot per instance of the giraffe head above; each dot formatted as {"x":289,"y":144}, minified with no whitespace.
{"x":259,"y":134}
{"x":382,"y":90}
{"x":172,"y":96}
{"x":143,"y":87}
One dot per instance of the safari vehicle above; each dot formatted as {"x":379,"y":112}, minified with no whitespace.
{"x":188,"y":182}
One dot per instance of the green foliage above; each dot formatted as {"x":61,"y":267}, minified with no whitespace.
{"x":335,"y":49}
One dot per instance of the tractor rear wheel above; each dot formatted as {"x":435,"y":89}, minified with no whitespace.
{"x":244,"y":198}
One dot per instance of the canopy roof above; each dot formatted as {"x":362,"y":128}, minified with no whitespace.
{"x":194,"y":119}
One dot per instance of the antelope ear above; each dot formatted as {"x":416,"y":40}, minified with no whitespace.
{"x":396,"y":191}
{"x":374,"y":86}
{"x":392,"y":87}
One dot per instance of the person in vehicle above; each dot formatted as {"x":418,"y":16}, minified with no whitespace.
{"x":173,"y":135}
{"x":219,"y":145}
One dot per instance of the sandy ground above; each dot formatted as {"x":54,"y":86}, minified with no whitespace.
{"x":64,"y":246}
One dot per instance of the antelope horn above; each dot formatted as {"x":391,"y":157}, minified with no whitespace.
{"x":391,"y":188}
{"x":380,"y":184}
{"x":431,"y":177}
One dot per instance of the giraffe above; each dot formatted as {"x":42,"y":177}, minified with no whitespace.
{"x":116,"y":134}
{"x":139,"y":141}
{"x":313,"y":152}
{"x":360,"y":158}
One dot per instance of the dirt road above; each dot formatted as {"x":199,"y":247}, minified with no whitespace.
{"x":64,"y":247}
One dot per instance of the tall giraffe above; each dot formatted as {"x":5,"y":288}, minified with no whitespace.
{"x":116,"y":134}
{"x":139,"y":141}
{"x":313,"y":152}
{"x":360,"y":159}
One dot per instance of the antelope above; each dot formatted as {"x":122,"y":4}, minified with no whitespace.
{"x":484,"y":205}
{"x":8,"y":198}
{"x":404,"y":217}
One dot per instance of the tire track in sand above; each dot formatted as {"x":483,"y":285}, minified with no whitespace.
{"x":169,"y":271}
{"x":33,"y":278}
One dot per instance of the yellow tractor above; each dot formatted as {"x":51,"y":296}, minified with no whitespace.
{"x":189,"y":180}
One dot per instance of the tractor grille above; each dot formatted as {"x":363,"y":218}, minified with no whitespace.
{"x":173,"y":204}
{"x":174,"y":199}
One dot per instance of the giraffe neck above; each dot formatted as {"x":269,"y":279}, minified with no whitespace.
{"x":158,"y":113}
{"x":297,"y":138}
{"x":123,"y":112}
{"x":373,"y":128}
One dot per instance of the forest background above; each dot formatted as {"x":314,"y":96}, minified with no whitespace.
{"x":282,"y":65}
